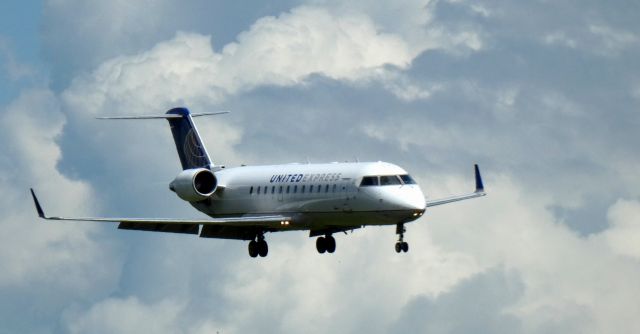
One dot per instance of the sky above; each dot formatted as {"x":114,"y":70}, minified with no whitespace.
{"x":544,"y":95}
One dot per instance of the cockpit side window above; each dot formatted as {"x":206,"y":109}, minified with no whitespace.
{"x":389,"y":180}
{"x":406,"y":179}
{"x":368,"y":181}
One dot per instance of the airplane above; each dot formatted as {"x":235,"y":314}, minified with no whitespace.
{"x":246,"y":202}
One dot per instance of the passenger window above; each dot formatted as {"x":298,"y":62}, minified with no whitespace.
{"x":303,"y":189}
{"x":334,"y":188}
{"x":389,"y":180}
{"x":326,"y":188}
{"x":273,"y":189}
{"x":251,"y":191}
{"x":407,"y":179}
{"x":319,"y":186}
{"x":310,"y":189}
{"x":368,"y":181}
{"x":258,"y":191}
{"x":295,"y":189}
{"x":288,"y":187}
{"x":280,"y":190}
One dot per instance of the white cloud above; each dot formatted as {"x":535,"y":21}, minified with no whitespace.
{"x":327,"y":293}
{"x":128,"y":315}
{"x":598,"y":39}
{"x":624,"y":234}
{"x":282,"y":50}
{"x":612,"y":41}
{"x":46,"y":266}
{"x":308,"y":40}
{"x":564,"y":276}
{"x":559,"y":38}
{"x":275,"y":51}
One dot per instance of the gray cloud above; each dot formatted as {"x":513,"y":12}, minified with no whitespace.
{"x":478,"y":305}
{"x":79,"y":36}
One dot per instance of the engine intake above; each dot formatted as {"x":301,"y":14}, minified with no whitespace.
{"x":194,"y":185}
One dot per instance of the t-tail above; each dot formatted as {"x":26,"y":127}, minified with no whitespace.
{"x":189,"y":145}
{"x":190,"y":148}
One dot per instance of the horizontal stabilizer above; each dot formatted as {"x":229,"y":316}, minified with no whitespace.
{"x":165,"y":116}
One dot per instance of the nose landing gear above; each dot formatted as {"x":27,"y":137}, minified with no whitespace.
{"x":401,"y":245}
{"x":258,"y":246}
{"x":326,"y":244}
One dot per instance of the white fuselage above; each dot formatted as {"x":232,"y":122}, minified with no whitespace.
{"x":317,"y":196}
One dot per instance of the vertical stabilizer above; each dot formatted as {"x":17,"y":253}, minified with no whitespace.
{"x":190,"y":148}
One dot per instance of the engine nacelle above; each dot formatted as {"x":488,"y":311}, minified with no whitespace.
{"x":194,"y":185}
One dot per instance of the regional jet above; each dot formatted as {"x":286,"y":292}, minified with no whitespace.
{"x":246,"y":202}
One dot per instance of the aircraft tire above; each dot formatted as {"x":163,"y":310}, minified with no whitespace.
{"x":330,"y":243}
{"x":253,"y":248}
{"x":321,"y":245}
{"x":263,"y":248}
{"x":405,"y":247}
{"x":398,"y":247}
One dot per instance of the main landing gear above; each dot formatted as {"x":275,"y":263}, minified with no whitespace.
{"x":258,"y":246}
{"x":401,"y":246}
{"x":326,"y":244}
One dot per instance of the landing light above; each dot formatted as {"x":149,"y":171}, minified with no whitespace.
{"x":284,"y":223}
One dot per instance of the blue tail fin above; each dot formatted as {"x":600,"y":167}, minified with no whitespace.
{"x":188,"y":143}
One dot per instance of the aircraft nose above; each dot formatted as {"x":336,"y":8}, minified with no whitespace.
{"x":414,"y":201}
{"x":409,"y":198}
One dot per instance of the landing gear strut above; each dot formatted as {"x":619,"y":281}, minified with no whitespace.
{"x":258,"y":246}
{"x":326,"y":244}
{"x":401,"y":245}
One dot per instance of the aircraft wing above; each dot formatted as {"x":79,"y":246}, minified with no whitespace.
{"x":240,"y":225}
{"x":479,"y":192}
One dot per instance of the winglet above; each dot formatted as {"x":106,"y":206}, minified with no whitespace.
{"x":38,"y":207}
{"x":479,"y":185}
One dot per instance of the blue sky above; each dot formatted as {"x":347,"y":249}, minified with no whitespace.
{"x":19,"y":23}
{"x":544,"y":95}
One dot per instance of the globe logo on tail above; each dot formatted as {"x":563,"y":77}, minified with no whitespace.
{"x":193,"y":151}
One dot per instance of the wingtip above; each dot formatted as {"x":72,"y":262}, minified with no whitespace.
{"x":479,"y":183}
{"x":37,"y":204}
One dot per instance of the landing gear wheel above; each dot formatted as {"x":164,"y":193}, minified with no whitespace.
{"x":401,"y":245}
{"x":321,"y":245}
{"x":330,"y":243}
{"x":263,"y":248}
{"x":405,"y":246}
{"x":253,"y":248}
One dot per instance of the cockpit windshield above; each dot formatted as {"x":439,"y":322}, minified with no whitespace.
{"x":386,"y":180}
{"x":406,"y":179}
{"x":369,"y":181}
{"x":389,"y":180}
